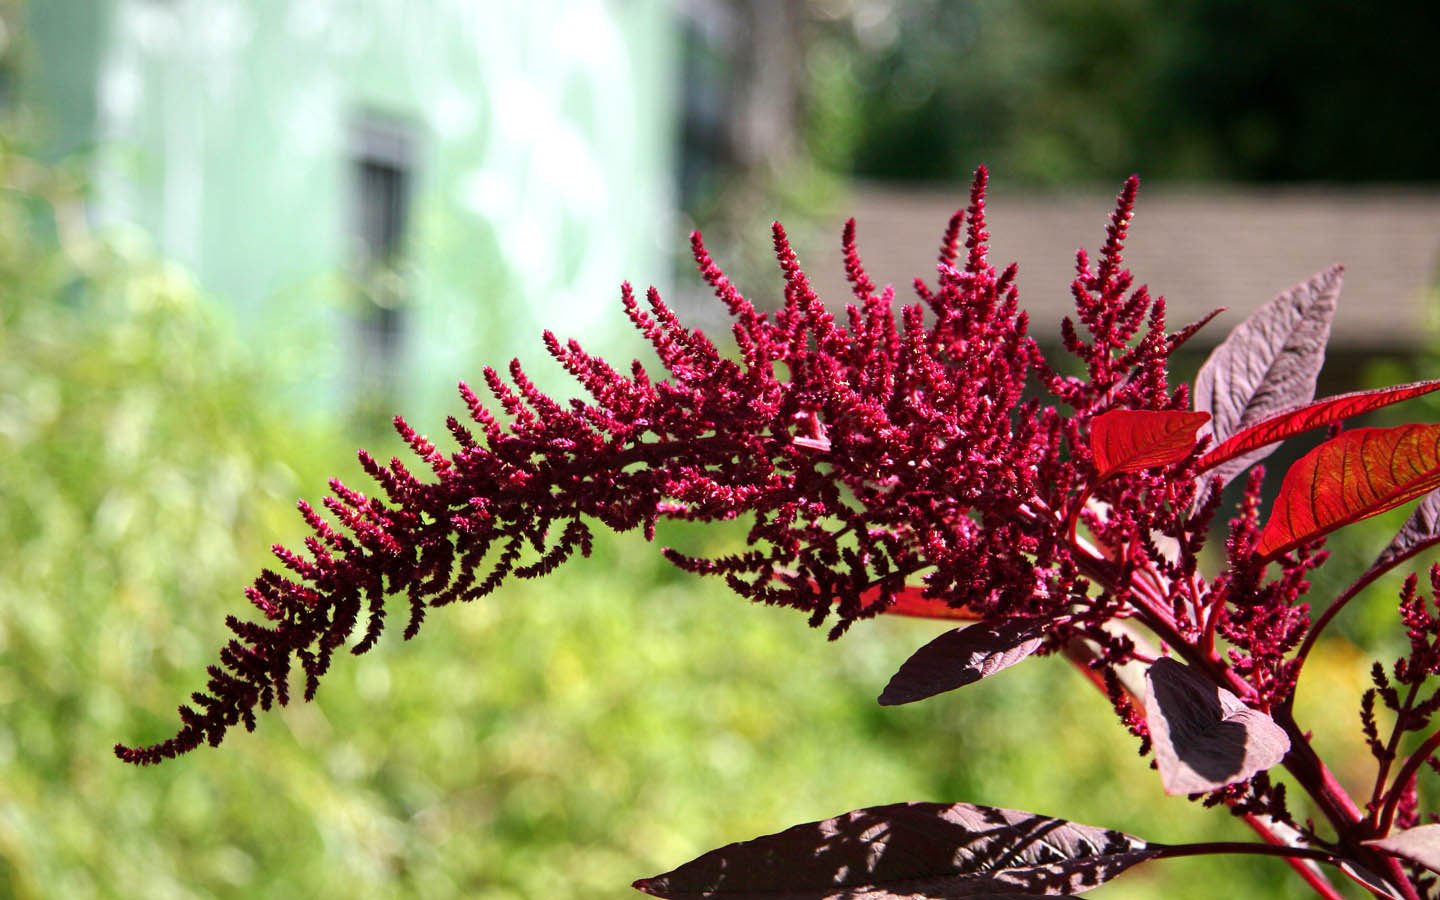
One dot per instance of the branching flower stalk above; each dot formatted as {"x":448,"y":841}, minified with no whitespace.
{"x":931,"y":461}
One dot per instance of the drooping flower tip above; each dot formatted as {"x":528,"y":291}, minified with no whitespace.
{"x":864,"y":451}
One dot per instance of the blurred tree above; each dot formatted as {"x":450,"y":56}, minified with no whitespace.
{"x":744,"y":158}
{"x":1054,"y":91}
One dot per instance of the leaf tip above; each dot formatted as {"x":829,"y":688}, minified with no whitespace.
{"x":893,"y":696}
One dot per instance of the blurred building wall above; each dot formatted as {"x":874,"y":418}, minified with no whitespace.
{"x":389,"y":194}
{"x":1224,"y":245}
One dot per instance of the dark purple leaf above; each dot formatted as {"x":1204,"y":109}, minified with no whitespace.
{"x":1268,"y":363}
{"x":911,"y":850}
{"x":960,"y":657}
{"x":1204,"y":736}
{"x":1420,"y":531}
{"x":1419,"y":845}
{"x":1128,"y":440}
{"x":1370,"y":881}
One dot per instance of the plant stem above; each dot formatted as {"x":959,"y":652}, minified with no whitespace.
{"x":1303,"y":867}
{"x":1303,"y":763}
{"x":1311,"y":772}
{"x":1296,"y":856}
{"x":1292,"y":853}
{"x":1329,"y":614}
{"x":1402,"y":778}
{"x":1252,"y":848}
{"x":1080,"y":656}
{"x":1247,"y":848}
{"x":1212,"y":622}
{"x":1391,"y":748}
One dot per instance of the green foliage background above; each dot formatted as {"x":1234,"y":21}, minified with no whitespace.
{"x":1051,"y":92}
{"x":557,"y":740}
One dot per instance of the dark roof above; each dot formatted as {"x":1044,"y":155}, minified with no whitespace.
{"x":1200,"y":249}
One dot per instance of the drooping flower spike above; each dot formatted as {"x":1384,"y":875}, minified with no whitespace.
{"x":930,"y":460}
{"x":862,"y":456}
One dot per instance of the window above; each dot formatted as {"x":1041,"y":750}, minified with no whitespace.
{"x":382,"y":175}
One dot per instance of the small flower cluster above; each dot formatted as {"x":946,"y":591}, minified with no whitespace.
{"x":1413,"y":712}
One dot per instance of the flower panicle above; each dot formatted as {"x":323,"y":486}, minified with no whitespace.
{"x":1113,"y":311}
{"x":876,"y":454}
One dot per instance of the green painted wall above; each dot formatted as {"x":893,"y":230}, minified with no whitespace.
{"x":543,"y":133}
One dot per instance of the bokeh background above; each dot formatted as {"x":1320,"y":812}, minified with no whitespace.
{"x":235,"y":237}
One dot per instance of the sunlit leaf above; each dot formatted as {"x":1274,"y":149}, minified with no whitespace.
{"x":1128,"y":440}
{"x":1419,"y":845}
{"x":911,"y":601}
{"x":1312,"y":415}
{"x":960,"y":657}
{"x":1205,"y":738}
{"x":911,"y":850}
{"x":1359,"y":474}
{"x":1268,"y":362}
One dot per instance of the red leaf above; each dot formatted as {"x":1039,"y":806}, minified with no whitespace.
{"x":1352,"y":477}
{"x":1298,"y":419}
{"x":1269,"y":362}
{"x":960,"y":657}
{"x":1128,"y":440}
{"x":911,"y":850}
{"x":911,"y":601}
{"x":1420,"y":845}
{"x":1205,"y":737}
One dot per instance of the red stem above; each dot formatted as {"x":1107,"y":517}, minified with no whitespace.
{"x":1307,"y":767}
{"x":1212,"y":622}
{"x":1072,"y":519}
{"x":1402,"y":778}
{"x":1317,"y":881}
{"x":1309,"y":771}
{"x":1391,"y":747}
{"x":1302,"y":761}
{"x":1080,"y":655}
{"x":1329,"y":614}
